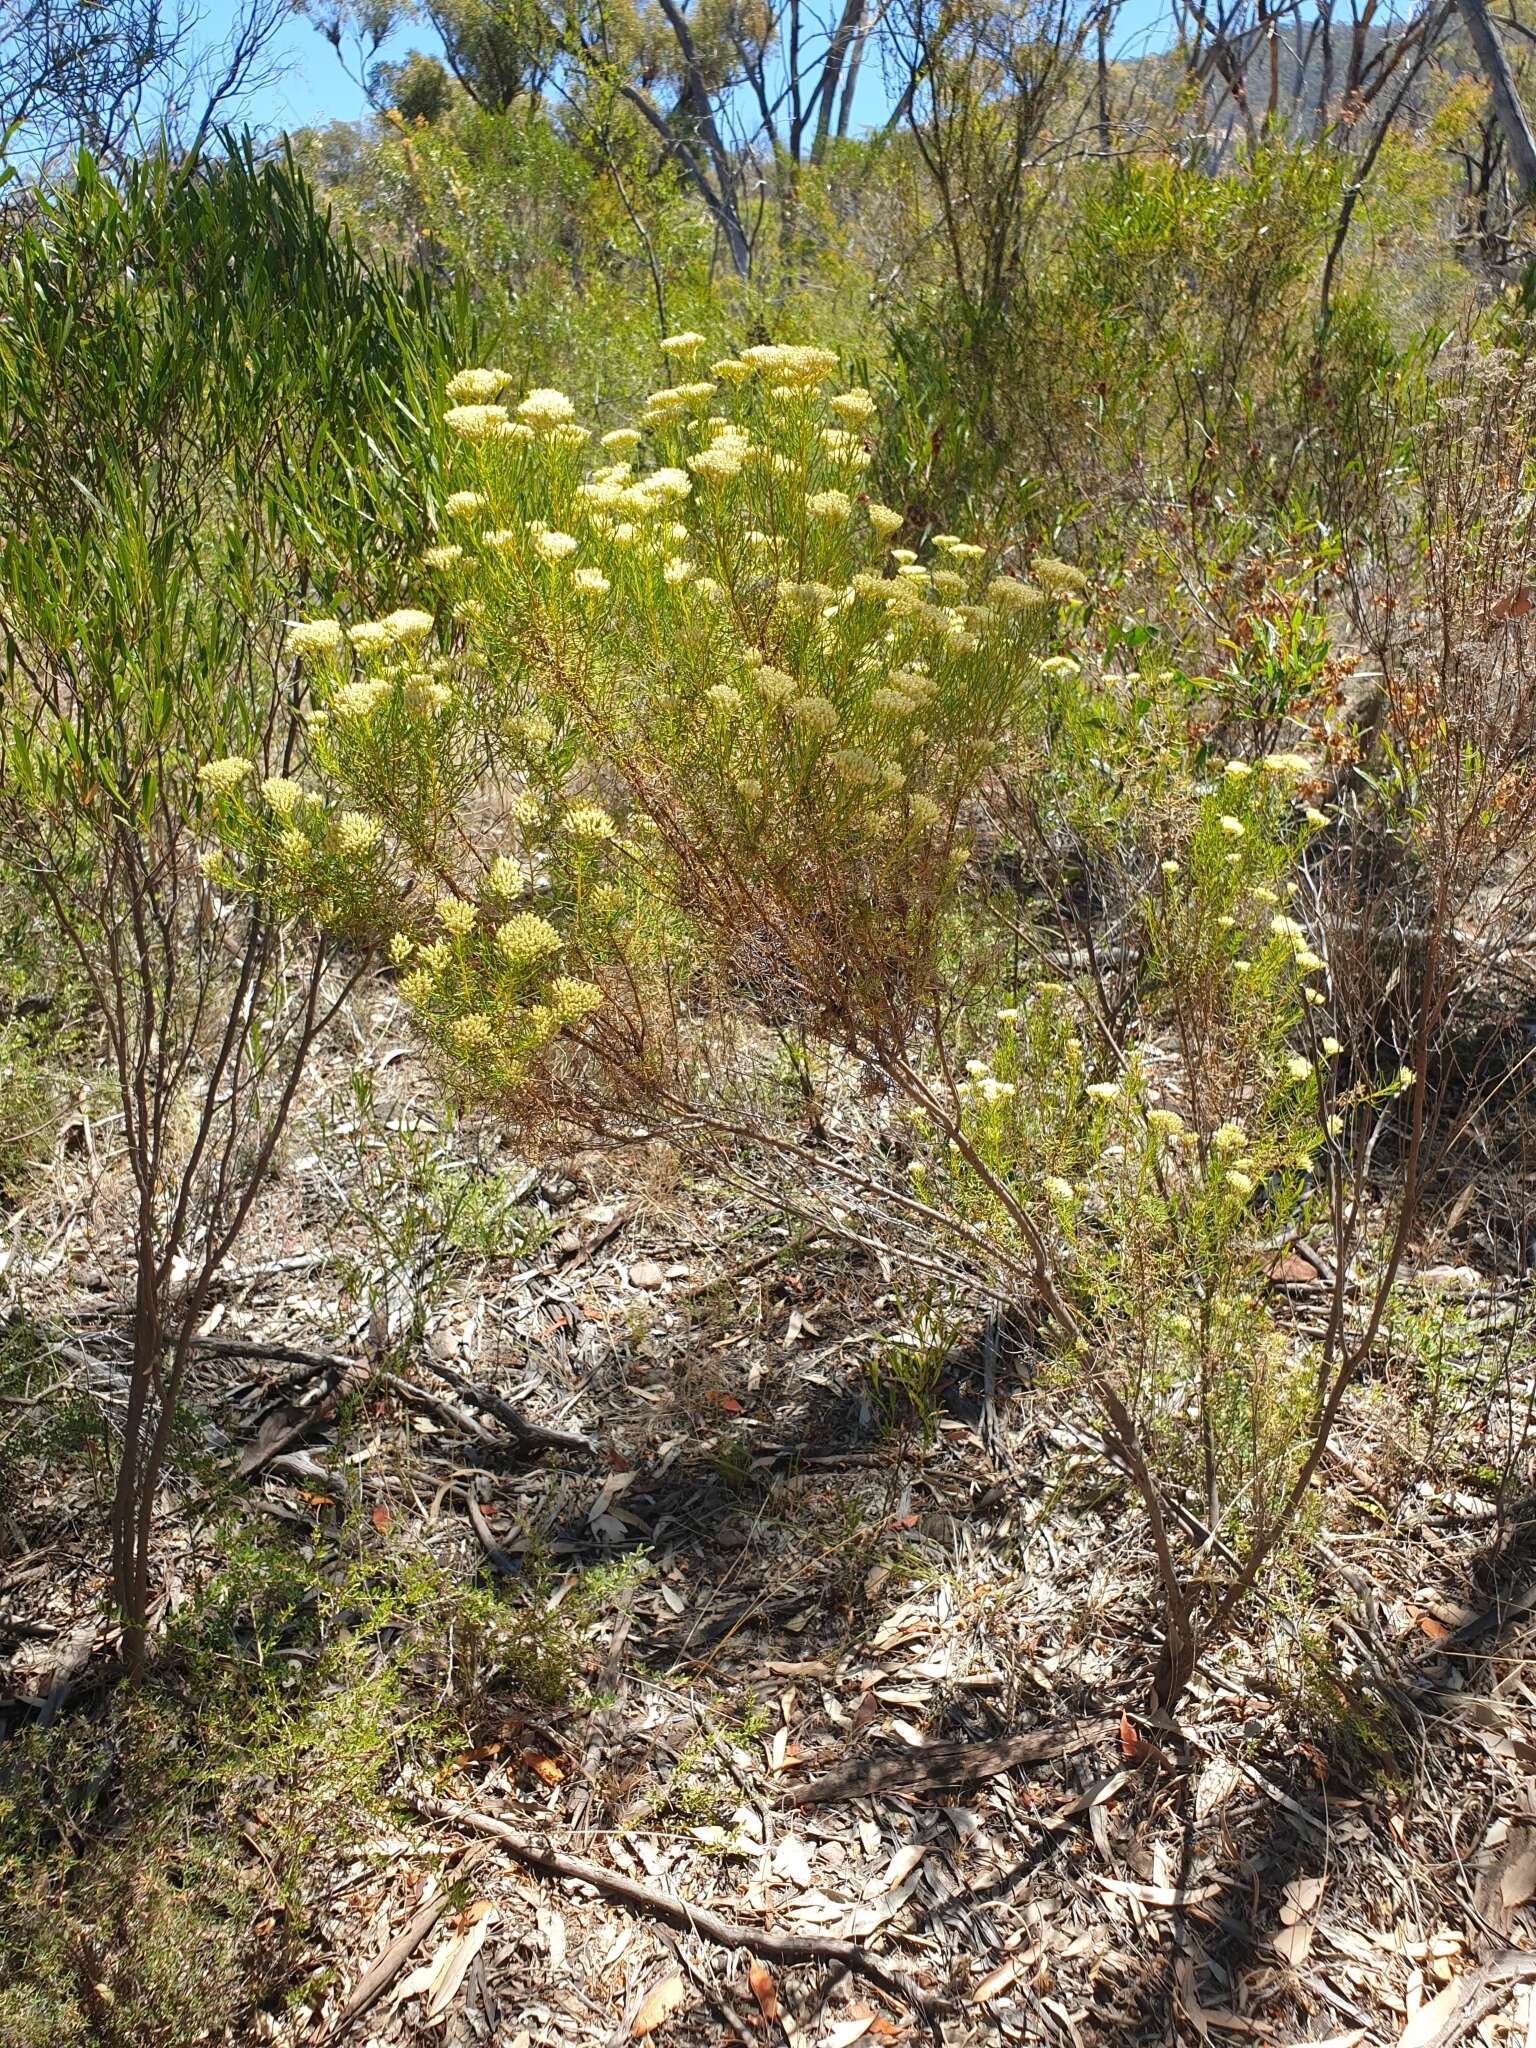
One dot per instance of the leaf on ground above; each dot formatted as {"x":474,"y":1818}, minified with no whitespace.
{"x":552,"y":1926}
{"x":1217,"y":1781}
{"x":1294,"y":1944}
{"x":1517,"y":1882}
{"x":900,"y":1867}
{"x":842,"y":2033}
{"x":995,"y":1981}
{"x":1203,"y":2018}
{"x":1133,"y":1745}
{"x":380,"y":1518}
{"x":544,"y":1768}
{"x":456,"y":1955}
{"x":1158,"y":1894}
{"x":658,"y":2005}
{"x":1426,"y":2023}
{"x":764,"y":1990}
{"x":1300,"y":1897}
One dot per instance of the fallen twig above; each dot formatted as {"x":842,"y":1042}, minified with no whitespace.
{"x":539,"y":1854}
{"x":378,"y":1977}
{"x":498,"y":1559}
{"x":259,"y":1455}
{"x":448,"y":1411}
{"x":947,"y":1764}
{"x":280,"y":1354}
{"x":532,"y":1435}
{"x":1481,"y":1993}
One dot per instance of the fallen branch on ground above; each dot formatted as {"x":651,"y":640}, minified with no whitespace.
{"x":927,"y":1770}
{"x":538,"y":1854}
{"x":531,"y":1435}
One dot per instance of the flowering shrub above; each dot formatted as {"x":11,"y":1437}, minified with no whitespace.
{"x":683,"y":703}
{"x":690,"y":743}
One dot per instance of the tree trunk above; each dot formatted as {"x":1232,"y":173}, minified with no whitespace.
{"x":138,"y":1472}
{"x":1491,"y":55}
{"x":1103,"y":81}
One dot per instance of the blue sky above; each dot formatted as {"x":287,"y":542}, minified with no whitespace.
{"x":314,"y":86}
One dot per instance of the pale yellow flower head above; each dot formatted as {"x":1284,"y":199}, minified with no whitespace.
{"x":504,"y":878}
{"x":716,"y":464}
{"x":546,"y":408}
{"x":814,"y":714}
{"x":359,"y":700}
{"x":223,"y":778}
{"x":475,"y":387}
{"x":356,"y":834}
{"x":888,"y":703}
{"x":475,"y":422}
{"x":526,"y":938}
{"x":587,"y":821}
{"x":550,"y":546}
{"x":473,"y":1035}
{"x":1010,"y":595}
{"x":790,"y":365}
{"x":314,"y":636}
{"x":833,"y":506}
{"x":684,"y":345}
{"x":1061,"y":579}
{"x":282,"y":794}
{"x":855,"y":406}
{"x":572,"y":999}
{"x":665,"y":485}
{"x":409,"y":625}
{"x":455,"y":915}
